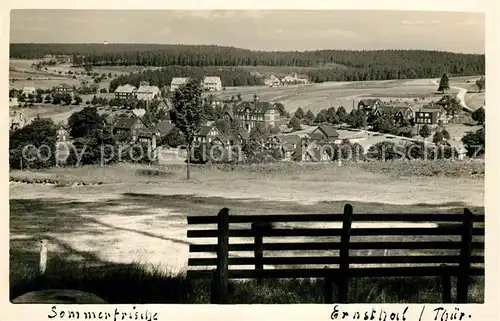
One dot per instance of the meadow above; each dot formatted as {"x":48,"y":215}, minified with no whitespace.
{"x":131,"y":229}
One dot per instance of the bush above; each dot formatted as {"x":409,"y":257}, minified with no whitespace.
{"x":386,"y":150}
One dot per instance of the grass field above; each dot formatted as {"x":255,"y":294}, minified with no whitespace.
{"x":320,"y":96}
{"x":137,"y":216}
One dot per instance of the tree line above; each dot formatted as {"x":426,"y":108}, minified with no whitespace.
{"x":335,"y":65}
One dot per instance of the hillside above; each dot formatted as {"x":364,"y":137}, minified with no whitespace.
{"x":354,"y":65}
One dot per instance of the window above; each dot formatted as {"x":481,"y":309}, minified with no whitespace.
{"x":426,"y":115}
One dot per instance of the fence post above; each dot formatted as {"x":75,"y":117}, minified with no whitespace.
{"x":342,"y":281}
{"x":258,"y":252}
{"x":328,"y":286}
{"x":465,"y":253}
{"x":220,"y":281}
{"x":445,"y":286}
{"x":43,"y":257}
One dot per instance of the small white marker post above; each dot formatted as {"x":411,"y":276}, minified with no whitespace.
{"x":43,"y":256}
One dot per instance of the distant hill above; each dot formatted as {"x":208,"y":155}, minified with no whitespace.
{"x":328,"y":64}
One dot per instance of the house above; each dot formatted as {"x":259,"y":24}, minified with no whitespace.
{"x":17,"y":120}
{"x":445,"y":100}
{"x":429,"y":117}
{"x":460,"y":150}
{"x":125,"y":92}
{"x":128,"y":127}
{"x":324,"y":132}
{"x":272,"y":81}
{"x":212,"y":83}
{"x":207,"y":134}
{"x":287,"y":144}
{"x":178,"y":82}
{"x":293,"y":79}
{"x":146,"y":92}
{"x":13,"y":103}
{"x":399,"y":114}
{"x":64,"y":89}
{"x":28,"y":91}
{"x":443,"y":116}
{"x":147,"y":136}
{"x":369,"y":106}
{"x":63,"y":133}
{"x":251,"y":113}
{"x":240,"y":137}
{"x":165,"y":105}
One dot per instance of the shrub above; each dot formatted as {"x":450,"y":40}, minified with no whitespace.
{"x":386,"y":150}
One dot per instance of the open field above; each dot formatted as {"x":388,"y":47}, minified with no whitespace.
{"x":54,"y":75}
{"x":138,"y":214}
{"x":57,"y":113}
{"x":320,"y":96}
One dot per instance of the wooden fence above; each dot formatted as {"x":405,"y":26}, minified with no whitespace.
{"x":452,"y":252}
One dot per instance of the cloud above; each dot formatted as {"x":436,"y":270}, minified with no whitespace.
{"x":420,"y":22}
{"x":165,"y":30}
{"x":471,"y":22}
{"x":336,"y":33}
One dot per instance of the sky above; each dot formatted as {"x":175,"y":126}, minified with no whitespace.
{"x":257,"y":29}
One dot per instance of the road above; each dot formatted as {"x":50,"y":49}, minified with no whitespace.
{"x":460,"y":96}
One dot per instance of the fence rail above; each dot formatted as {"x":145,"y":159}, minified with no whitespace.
{"x":455,"y":233}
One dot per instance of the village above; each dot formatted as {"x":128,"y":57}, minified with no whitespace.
{"x":302,"y":136}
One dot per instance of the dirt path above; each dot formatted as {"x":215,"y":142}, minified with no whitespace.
{"x":460,"y":96}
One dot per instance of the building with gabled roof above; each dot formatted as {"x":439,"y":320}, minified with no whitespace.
{"x":28,"y":91}
{"x":17,"y":120}
{"x":64,"y":88}
{"x":125,"y":92}
{"x":369,"y":106}
{"x":128,"y":127}
{"x":399,"y":114}
{"x":177,"y":82}
{"x":212,"y":83}
{"x":250,"y":113}
{"x":207,"y":134}
{"x":324,"y":132}
{"x":146,"y":92}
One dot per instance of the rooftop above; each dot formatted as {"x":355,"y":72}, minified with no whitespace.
{"x":211,"y":79}
{"x":125,"y":89}
{"x":148,"y":89}
{"x":179,"y":80}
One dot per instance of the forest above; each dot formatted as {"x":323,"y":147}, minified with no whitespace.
{"x":325,"y":65}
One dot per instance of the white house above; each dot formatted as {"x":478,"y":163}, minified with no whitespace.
{"x":29,"y":91}
{"x":17,"y":120}
{"x":212,"y":83}
{"x":177,"y":82}
{"x":13,"y":103}
{"x":272,"y":81}
{"x":125,"y":92}
{"x":148,"y":92}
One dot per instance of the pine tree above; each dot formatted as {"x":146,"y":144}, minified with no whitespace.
{"x":444,"y":83}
